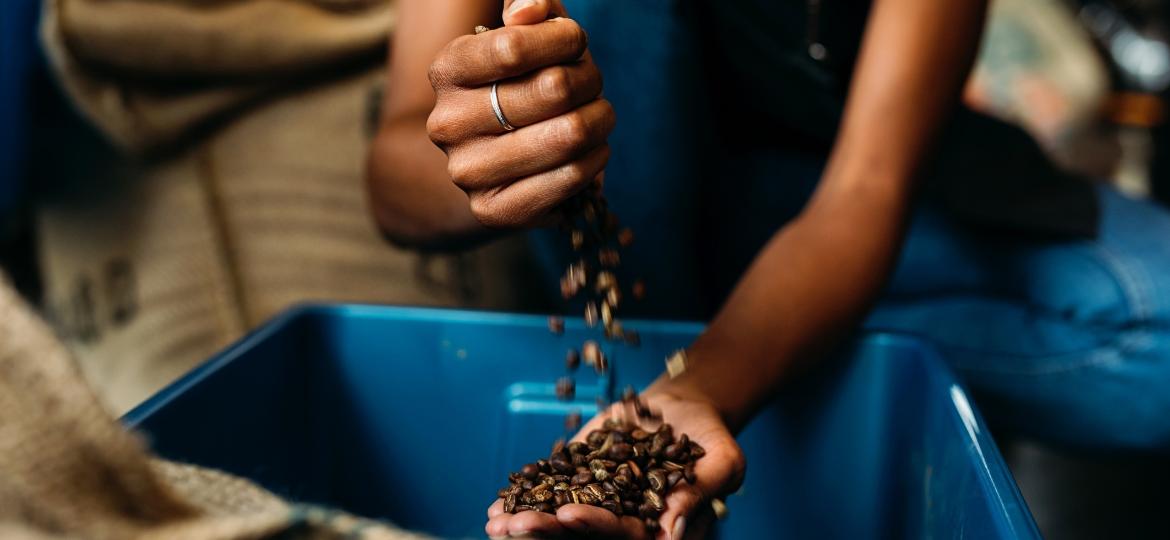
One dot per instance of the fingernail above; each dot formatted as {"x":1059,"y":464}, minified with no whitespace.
{"x":680,"y":527}
{"x":519,"y":5}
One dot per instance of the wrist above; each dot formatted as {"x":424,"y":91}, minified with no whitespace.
{"x":708,"y":380}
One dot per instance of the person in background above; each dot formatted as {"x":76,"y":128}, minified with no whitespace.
{"x":793,"y":169}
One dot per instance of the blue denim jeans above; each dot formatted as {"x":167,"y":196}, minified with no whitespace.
{"x":1067,"y":341}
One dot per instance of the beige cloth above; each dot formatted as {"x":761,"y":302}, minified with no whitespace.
{"x":148,"y":72}
{"x":167,"y":259}
{"x":68,"y":470}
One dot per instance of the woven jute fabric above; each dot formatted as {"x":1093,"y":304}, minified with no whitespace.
{"x":68,"y":470}
{"x":148,"y":72}
{"x":151,"y":262}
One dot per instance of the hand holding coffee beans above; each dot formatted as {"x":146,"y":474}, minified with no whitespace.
{"x":620,"y":467}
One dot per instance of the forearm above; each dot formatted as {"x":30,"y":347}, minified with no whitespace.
{"x":411,"y":195}
{"x":818,"y":276}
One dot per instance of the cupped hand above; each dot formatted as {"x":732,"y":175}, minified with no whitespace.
{"x":549,"y":91}
{"x":688,"y":512}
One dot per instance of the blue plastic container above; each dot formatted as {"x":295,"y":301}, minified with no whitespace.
{"x":356,"y":407}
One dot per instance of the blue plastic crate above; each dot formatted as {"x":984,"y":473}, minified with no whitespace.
{"x":374,"y":409}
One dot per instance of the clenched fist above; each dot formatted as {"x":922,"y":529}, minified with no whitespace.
{"x":548,"y":91}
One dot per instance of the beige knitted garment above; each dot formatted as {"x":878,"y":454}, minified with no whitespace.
{"x":68,"y":470}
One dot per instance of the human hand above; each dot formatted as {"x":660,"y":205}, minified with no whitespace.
{"x":688,"y":512}
{"x":548,"y":90}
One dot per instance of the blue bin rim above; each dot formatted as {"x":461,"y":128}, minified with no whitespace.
{"x":997,"y":480}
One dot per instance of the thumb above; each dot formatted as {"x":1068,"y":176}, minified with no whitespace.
{"x":519,"y":12}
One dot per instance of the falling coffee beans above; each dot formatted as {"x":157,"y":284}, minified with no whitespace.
{"x":620,"y":467}
{"x":566,"y":389}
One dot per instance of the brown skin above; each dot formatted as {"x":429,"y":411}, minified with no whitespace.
{"x":914,"y":59}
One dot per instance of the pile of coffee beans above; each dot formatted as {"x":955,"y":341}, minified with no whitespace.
{"x":620,"y":467}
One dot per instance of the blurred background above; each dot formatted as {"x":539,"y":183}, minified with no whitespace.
{"x":157,"y":202}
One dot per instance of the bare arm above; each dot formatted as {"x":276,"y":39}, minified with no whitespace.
{"x":817,"y":277}
{"x":413,"y":199}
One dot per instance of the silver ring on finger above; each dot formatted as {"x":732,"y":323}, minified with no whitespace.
{"x":496,"y":109}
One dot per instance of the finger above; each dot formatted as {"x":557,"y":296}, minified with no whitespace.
{"x":525,"y":201}
{"x":518,"y":12}
{"x":718,"y":474}
{"x":496,"y":508}
{"x":682,"y":501}
{"x":497,"y":527}
{"x":593,"y":522}
{"x":496,"y":161}
{"x":696,"y":526}
{"x":531,"y":523}
{"x":535,"y":97}
{"x":475,"y":60}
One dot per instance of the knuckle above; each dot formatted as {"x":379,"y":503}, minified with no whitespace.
{"x":461,"y":171}
{"x":556,"y":86}
{"x":508,"y":50}
{"x":576,"y":172}
{"x":441,"y":127}
{"x":481,"y":209}
{"x":573,"y":130}
{"x":577,"y":36}
{"x":485,"y":209}
{"x":441,"y":68}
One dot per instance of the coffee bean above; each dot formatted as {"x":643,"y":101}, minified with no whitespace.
{"x":530,"y":471}
{"x":561,"y":463}
{"x":609,"y":257}
{"x":556,"y":325}
{"x":590,"y":353}
{"x":581,"y":479}
{"x":719,"y":508}
{"x":566,"y":388}
{"x":673,"y":478}
{"x":621,"y":452}
{"x":577,"y":239}
{"x":632,"y":338}
{"x":652,"y":525}
{"x":638,"y":290}
{"x":613,"y":297}
{"x":629,"y":508}
{"x":612,"y":506}
{"x":626,"y":237}
{"x":578,"y":447}
{"x":591,"y":314}
{"x":602,"y":364}
{"x":572,"y":359}
{"x":573,"y":421}
{"x":657,"y":480}
{"x":653,"y":499}
{"x":605,"y":280}
{"x":676,"y":365}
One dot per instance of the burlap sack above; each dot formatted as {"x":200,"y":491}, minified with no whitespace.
{"x":68,"y":470}
{"x":148,"y":72}
{"x":166,"y":260}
